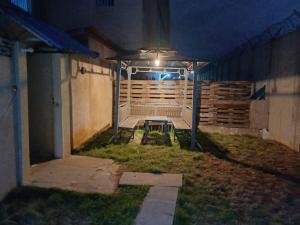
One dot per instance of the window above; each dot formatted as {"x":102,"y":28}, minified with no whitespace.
{"x":23,"y":4}
{"x":105,"y":3}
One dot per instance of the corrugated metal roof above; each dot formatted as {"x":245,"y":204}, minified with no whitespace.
{"x":51,"y":35}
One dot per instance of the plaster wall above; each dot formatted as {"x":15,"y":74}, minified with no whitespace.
{"x":7,"y":133}
{"x":283,"y":90}
{"x":49,"y":106}
{"x":41,"y":111}
{"x":92,"y":100}
{"x":66,"y":106}
{"x":274,"y":68}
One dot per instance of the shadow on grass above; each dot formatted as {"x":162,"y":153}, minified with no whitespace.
{"x":36,"y":206}
{"x":214,"y":148}
{"x":103,"y":139}
{"x":184,"y":139}
{"x":157,"y":138}
{"x":125,"y":136}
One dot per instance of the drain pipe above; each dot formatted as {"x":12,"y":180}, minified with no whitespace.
{"x":19,"y":69}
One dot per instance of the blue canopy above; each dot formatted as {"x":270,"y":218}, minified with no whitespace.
{"x":51,"y":35}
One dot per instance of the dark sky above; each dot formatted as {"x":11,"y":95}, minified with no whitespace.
{"x":208,"y":29}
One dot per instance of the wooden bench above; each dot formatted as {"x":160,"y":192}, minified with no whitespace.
{"x":184,"y":123}
{"x":130,"y":124}
{"x":180,"y":124}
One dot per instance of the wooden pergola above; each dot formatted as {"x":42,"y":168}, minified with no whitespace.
{"x":170,"y":62}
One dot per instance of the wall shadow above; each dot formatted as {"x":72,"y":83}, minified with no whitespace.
{"x":105,"y":138}
{"x":184,"y":139}
{"x":99,"y":140}
{"x":219,"y":151}
{"x":157,"y":138}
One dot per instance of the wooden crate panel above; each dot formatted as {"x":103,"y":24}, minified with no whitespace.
{"x":224,"y":103}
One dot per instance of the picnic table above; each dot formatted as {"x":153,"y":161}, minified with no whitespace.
{"x":163,"y":120}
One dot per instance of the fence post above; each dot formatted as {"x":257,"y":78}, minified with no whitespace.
{"x":195,"y":105}
{"x":129,"y":72}
{"x":117,"y":98}
{"x":186,"y":76}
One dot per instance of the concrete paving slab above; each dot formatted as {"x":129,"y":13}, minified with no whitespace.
{"x":77,"y":173}
{"x":158,"y":207}
{"x":163,"y":180}
{"x":166,"y":194}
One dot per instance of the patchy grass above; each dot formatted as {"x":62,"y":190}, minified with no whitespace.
{"x":151,"y":157}
{"x":239,"y":180}
{"x":234,"y":180}
{"x":36,"y":206}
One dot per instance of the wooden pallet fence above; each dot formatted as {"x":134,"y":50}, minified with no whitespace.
{"x":223,"y":103}
{"x":156,"y":110}
{"x":153,"y":91}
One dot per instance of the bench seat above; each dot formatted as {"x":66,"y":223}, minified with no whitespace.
{"x":180,"y":124}
{"x":130,"y":122}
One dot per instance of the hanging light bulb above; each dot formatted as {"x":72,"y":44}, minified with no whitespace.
{"x":157,"y":62}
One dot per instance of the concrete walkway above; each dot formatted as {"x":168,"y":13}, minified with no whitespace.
{"x":164,"y":180}
{"x":77,"y":173}
{"x":159,"y":205}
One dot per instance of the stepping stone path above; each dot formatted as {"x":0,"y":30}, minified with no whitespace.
{"x":77,"y":173}
{"x":151,"y":179}
{"x":159,"y":205}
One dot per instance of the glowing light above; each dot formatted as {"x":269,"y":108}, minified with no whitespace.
{"x":192,"y":72}
{"x":157,"y":62}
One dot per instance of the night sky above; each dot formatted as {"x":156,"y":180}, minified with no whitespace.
{"x":208,"y":29}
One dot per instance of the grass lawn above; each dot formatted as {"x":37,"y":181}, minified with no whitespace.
{"x":233,"y":180}
{"x":36,"y":206}
{"x":238,"y":180}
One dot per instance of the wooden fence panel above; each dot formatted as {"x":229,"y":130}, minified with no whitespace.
{"x":223,"y":103}
{"x":153,"y":91}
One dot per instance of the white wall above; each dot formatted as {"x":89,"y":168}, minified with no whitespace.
{"x":92,"y":100}
{"x":49,"y":106}
{"x":283,"y":89}
{"x":275,"y":65}
{"x":7,"y":135}
{"x":41,"y":117}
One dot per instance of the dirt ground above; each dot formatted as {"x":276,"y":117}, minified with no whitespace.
{"x":232,"y":180}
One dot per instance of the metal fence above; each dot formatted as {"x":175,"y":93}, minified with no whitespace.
{"x":215,"y":70}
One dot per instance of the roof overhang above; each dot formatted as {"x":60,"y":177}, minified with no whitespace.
{"x":146,"y":57}
{"x":50,"y":35}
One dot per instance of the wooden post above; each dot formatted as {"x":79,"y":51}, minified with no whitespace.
{"x":117,"y":98}
{"x":195,"y":106}
{"x":186,"y":76}
{"x":129,"y":72}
